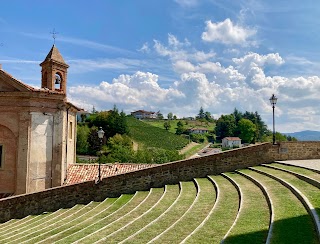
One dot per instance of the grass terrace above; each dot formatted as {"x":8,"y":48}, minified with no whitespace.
{"x":267,"y":203}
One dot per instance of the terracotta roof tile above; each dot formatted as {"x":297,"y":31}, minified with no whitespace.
{"x":87,"y":172}
{"x":55,"y":55}
{"x":232,"y":138}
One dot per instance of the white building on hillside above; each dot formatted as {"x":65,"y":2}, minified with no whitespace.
{"x":142,"y":114}
{"x":231,"y":142}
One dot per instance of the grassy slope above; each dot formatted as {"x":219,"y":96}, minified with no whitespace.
{"x":190,"y":124}
{"x":151,"y":136}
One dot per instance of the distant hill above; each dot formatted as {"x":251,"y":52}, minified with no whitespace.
{"x":306,"y":135}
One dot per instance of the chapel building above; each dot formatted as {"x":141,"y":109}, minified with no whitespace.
{"x":37,"y":129}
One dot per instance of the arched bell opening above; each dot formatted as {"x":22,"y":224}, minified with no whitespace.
{"x":58,"y":81}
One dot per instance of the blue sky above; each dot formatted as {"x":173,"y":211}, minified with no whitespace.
{"x":175,"y":55}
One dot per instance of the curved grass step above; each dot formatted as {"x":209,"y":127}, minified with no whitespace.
{"x":41,"y":228}
{"x":116,"y":203}
{"x":222,"y":215}
{"x":16,"y":222}
{"x":253,"y":220}
{"x":193,"y":217}
{"x":98,"y":236}
{"x":138,"y":226}
{"x":119,"y":209}
{"x":170,"y":216}
{"x":50,"y":234}
{"x":267,"y":197}
{"x":299,"y":170}
{"x":308,"y":194}
{"x":292,"y":223}
{"x":18,"y":232}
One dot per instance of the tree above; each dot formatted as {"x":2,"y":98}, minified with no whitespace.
{"x":225,"y":126}
{"x":83,"y":117}
{"x":159,"y":115}
{"x":247,"y":130}
{"x":94,"y":141}
{"x":120,"y":149}
{"x":201,"y":114}
{"x":166,"y":125}
{"x":82,"y":139}
{"x":208,"y":117}
{"x":112,"y":122}
{"x":170,"y":116}
{"x":180,"y":128}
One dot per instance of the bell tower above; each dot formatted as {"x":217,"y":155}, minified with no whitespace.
{"x":54,"y":72}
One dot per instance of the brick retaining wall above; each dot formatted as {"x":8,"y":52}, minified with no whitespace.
{"x":157,"y":176}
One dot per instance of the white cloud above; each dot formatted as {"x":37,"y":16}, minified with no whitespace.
{"x":80,"y":42}
{"x":86,"y":65}
{"x":187,"y":3}
{"x":145,"y":48}
{"x":244,"y":83}
{"x":201,"y":56}
{"x":182,"y":66}
{"x":228,"y":33}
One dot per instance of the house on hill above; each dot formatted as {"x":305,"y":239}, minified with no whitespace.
{"x":142,"y":114}
{"x":37,"y":129}
{"x":231,"y":142}
{"x":198,"y":130}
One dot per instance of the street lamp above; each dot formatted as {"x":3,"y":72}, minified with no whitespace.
{"x":273,"y":100}
{"x":100,"y":135}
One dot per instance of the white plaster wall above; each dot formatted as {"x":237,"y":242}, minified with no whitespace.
{"x":41,"y":146}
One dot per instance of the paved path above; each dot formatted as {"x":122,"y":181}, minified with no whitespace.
{"x":310,"y":163}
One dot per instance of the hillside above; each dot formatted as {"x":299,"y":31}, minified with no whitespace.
{"x":188,"y":124}
{"x":151,"y":136}
{"x":306,"y":135}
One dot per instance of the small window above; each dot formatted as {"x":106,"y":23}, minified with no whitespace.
{"x":1,"y":156}
{"x":70,"y":130}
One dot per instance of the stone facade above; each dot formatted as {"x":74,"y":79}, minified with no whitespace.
{"x":157,"y":176}
{"x":37,"y":130}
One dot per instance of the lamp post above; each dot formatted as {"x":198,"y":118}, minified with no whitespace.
{"x":100,"y":135}
{"x":273,"y":100}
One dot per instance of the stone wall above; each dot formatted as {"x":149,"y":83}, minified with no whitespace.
{"x":158,"y":176}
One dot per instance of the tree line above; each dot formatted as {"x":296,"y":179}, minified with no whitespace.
{"x":116,"y":145}
{"x":248,"y":126}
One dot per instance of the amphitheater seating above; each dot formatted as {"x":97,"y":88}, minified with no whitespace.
{"x":273,"y":203}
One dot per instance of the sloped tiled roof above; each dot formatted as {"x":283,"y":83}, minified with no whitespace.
{"x":78,"y":173}
{"x":232,"y":138}
{"x":17,"y":84}
{"x":143,"y":112}
{"x":205,"y":129}
{"x":55,"y":55}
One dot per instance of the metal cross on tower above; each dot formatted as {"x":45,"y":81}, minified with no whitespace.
{"x":54,"y":35}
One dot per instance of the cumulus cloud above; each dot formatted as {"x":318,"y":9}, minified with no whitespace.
{"x":226,"y":32}
{"x":182,"y":66}
{"x":203,"y":79}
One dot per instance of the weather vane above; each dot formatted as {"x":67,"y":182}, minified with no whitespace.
{"x":54,"y":35}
